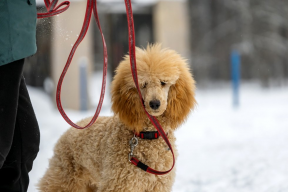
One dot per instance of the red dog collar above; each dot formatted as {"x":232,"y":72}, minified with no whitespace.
{"x":148,"y":135}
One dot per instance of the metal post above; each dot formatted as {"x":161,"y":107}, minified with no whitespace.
{"x":235,"y":73}
{"x":83,"y":84}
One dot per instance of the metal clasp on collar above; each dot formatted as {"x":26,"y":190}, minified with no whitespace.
{"x":133,"y":143}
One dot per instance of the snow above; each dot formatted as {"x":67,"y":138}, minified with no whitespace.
{"x":221,"y":149}
{"x":227,"y":150}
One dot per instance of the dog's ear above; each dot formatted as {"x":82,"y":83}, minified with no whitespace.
{"x":126,"y":103}
{"x":181,"y":98}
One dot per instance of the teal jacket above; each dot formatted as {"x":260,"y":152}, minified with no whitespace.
{"x":17,"y":30}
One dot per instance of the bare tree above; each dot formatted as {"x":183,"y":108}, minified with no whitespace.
{"x":258,"y":29}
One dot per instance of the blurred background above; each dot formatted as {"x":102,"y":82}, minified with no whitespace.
{"x":236,"y":139}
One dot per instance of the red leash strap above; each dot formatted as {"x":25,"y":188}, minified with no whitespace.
{"x":91,"y":7}
{"x":135,"y":78}
{"x":52,"y":10}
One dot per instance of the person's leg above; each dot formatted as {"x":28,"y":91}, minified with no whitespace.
{"x":18,"y":163}
{"x":10,"y":173}
{"x":10,"y":78}
{"x":30,"y":135}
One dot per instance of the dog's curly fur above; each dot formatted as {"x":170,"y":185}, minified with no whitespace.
{"x":96,"y":159}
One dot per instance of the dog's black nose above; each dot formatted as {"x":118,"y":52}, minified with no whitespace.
{"x":155,"y":104}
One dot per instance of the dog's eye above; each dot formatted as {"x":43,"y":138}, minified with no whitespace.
{"x":144,"y":85}
{"x":163,"y":83}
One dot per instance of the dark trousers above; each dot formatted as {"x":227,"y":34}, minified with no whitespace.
{"x":19,"y":131}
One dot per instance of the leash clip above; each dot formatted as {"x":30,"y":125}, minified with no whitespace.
{"x":133,"y":143}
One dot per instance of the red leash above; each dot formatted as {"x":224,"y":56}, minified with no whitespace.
{"x":52,"y":10}
{"x":92,"y":7}
{"x":135,"y":78}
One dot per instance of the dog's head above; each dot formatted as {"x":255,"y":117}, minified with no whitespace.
{"x":167,"y":88}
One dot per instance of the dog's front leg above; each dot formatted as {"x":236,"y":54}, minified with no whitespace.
{"x":163,"y":183}
{"x":123,"y":187}
{"x":160,"y":187}
{"x":124,"y":184}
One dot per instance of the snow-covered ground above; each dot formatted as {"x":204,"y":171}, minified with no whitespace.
{"x":221,"y":149}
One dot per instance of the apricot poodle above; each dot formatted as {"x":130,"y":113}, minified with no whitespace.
{"x":96,"y":159}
